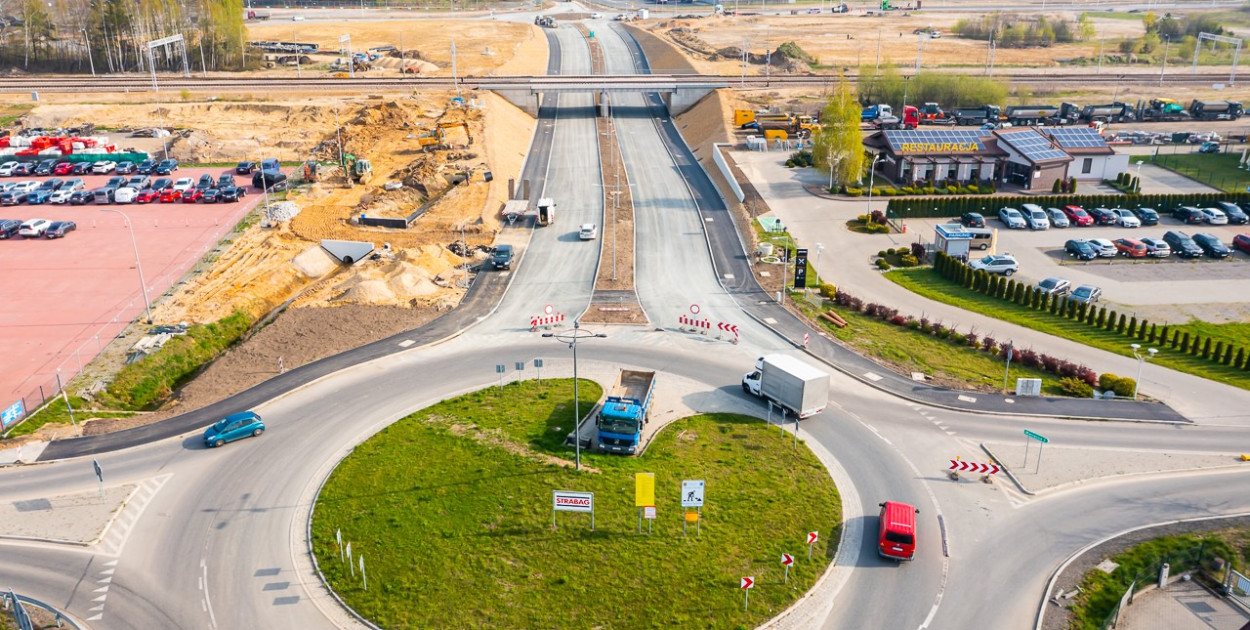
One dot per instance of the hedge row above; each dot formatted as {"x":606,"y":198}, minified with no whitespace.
{"x":1096,"y":316}
{"x":955,"y":206}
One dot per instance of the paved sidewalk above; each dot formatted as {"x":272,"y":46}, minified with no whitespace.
{"x":846,"y":263}
{"x":78,"y":519}
{"x":1183,"y":605}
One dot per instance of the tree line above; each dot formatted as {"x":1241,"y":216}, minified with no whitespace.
{"x":1013,"y":31}
{"x":108,"y":36}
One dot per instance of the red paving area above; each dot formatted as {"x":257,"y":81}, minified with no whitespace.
{"x":68,"y":297}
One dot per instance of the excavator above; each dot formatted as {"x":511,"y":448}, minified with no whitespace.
{"x":438,"y":137}
{"x":359,"y":170}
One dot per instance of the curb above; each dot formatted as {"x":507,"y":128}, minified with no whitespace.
{"x":1007,"y":470}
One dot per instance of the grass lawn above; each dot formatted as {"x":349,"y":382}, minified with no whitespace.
{"x":56,"y":412}
{"x":1214,"y":169}
{"x":911,"y":351}
{"x":451,"y":507}
{"x":928,"y":283}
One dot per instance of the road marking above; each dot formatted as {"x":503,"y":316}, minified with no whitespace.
{"x":405,"y":343}
{"x":208,"y":603}
{"x":728,"y":276}
{"x":116,"y":533}
{"x":872,"y":376}
{"x":968,"y":399}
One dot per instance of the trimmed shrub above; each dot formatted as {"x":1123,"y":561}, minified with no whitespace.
{"x":882,"y":264}
{"x":1082,"y":311}
{"x":1132,"y":326}
{"x":1073,"y":386}
{"x":1120,"y":326}
{"x":1240,"y":361}
{"x":1153,"y":330}
{"x":1141,"y":330}
{"x":1111,"y":317}
{"x":1184,"y":342}
{"x":1208,"y":353}
{"x":1019,"y":294}
{"x":1163,"y":336}
{"x":989,"y":344}
{"x":1123,"y":387}
{"x":1035,"y":300}
{"x":1107,"y":381}
{"x":1228,"y":355}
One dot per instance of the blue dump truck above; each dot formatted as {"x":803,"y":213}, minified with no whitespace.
{"x":625,"y":411}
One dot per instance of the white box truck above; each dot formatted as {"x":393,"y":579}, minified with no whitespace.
{"x":790,"y":383}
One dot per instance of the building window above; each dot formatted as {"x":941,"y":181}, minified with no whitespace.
{"x":1087,"y":166}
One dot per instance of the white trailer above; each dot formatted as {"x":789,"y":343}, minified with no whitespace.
{"x":790,"y":383}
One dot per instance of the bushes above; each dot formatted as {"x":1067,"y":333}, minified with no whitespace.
{"x":1073,"y":386}
{"x":1123,"y":386}
{"x":799,"y":159}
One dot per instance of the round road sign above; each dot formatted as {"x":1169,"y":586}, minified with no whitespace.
{"x":548,"y":310}
{"x":694,"y":309}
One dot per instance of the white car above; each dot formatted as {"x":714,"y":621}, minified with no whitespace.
{"x":1035,"y":217}
{"x":125,"y":194}
{"x":1214,"y":216}
{"x":60,"y":196}
{"x":25,"y":185}
{"x":1156,"y":247}
{"x":184,"y":184}
{"x":103,"y":167}
{"x":6,"y":169}
{"x":1125,"y":218}
{"x":1057,"y":218}
{"x":34,"y":228}
{"x":587,"y":232}
{"x":1012,"y":218}
{"x":7,"y":186}
{"x":998,"y":263}
{"x":1104,"y":247}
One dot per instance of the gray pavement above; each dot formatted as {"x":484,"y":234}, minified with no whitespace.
{"x":1183,"y":605}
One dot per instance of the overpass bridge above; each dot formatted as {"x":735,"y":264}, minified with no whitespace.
{"x":679,"y":92}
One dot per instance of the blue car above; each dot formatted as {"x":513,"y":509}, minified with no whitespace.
{"x":38,"y":196}
{"x":233,"y":427}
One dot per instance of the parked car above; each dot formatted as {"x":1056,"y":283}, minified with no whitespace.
{"x":81,"y":197}
{"x":139,"y":182}
{"x":125,"y":194}
{"x":103,"y":195}
{"x":13,"y":196}
{"x":7,"y":186}
{"x":147,"y":195}
{"x":1086,"y":293}
{"x":212,"y":195}
{"x":38,"y":196}
{"x":1181,"y":244}
{"x":1242,"y":242}
{"x":224,"y":180}
{"x":59,"y":229}
{"x":9,"y":228}
{"x":1131,"y":247}
{"x":166,"y":167}
{"x":1103,"y":216}
{"x":34,"y":227}
{"x":232,"y":193}
{"x":81,"y":168}
{"x":63,"y":168}
{"x":997,"y":263}
{"x":206,"y":182}
{"x":245,"y":167}
{"x":72,"y":184}
{"x":145,"y":167}
{"x":51,"y":184}
{"x":126,"y":167}
{"x":270,"y":164}
{"x":972,"y":219}
{"x":1012,"y":218}
{"x":60,"y":197}
{"x":6,"y":169}
{"x":162,"y":183}
{"x":25,"y":168}
{"x":1078,"y":216}
{"x":184,"y":184}
{"x":193,"y":195}
{"x":116,"y":181}
{"x":587,"y":232}
{"x":1054,"y":286}
{"x":1035,"y":216}
{"x":1236,"y":216}
{"x":233,"y":427}
{"x":170,"y":195}
{"x":1156,"y":247}
{"x":1104,"y":247}
{"x":1212,"y":246}
{"x":1214,"y":216}
{"x":1057,"y":218}
{"x":45,"y":167}
{"x":1189,"y":214}
{"x":1125,"y":218}
{"x":103,"y":167}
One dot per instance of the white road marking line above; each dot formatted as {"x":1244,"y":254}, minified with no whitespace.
{"x":208,"y":603}
{"x":405,"y":343}
{"x":872,"y":376}
{"x":969,"y":399}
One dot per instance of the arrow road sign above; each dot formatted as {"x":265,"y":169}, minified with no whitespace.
{"x":812,"y":537}
{"x":1043,"y":440}
{"x":747,"y":582}
{"x":787,"y":559}
{"x":991,"y":469}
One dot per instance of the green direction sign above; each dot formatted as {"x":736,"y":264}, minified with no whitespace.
{"x":1043,"y":440}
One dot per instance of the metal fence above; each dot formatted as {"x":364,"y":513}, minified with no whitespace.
{"x":1238,"y":587}
{"x":1178,"y":561}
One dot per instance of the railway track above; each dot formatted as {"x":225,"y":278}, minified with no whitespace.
{"x":136,"y":83}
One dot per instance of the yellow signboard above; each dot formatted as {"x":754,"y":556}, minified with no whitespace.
{"x":938,"y":147}
{"x":644,"y":489}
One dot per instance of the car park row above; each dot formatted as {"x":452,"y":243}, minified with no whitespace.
{"x":130,"y":183}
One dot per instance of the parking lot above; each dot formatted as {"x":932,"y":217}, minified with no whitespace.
{"x":69,"y":296}
{"x":1174,"y":280}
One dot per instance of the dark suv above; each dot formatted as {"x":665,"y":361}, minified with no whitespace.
{"x":9,"y":228}
{"x":1081,"y":249}
{"x":972,"y":219}
{"x":1188,"y":214}
{"x":502,"y":258}
{"x":1212,"y":245}
{"x":166,"y":167}
{"x":145,"y":167}
{"x":1236,"y":216}
{"x":1181,"y":244}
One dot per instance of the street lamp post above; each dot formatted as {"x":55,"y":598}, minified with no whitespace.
{"x":1167,"y":42}
{"x":872,"y":174}
{"x":571,"y":337}
{"x":819,"y":248}
{"x":147,"y":304}
{"x":1137,"y":187}
{"x":1140,"y":361}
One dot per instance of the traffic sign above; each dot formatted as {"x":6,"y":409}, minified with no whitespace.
{"x":991,"y":469}
{"x":692,"y":493}
{"x":747,"y":582}
{"x":649,"y":512}
{"x":1039,"y":438}
{"x":99,"y":472}
{"x":787,"y":559}
{"x":694,"y":309}
{"x":548,"y":309}
{"x":812,"y":537}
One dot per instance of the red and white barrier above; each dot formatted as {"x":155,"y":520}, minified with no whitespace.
{"x":698,"y":323}
{"x":545,"y":320}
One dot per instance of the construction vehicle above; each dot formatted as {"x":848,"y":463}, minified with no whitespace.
{"x":789,"y":383}
{"x":314,"y":171}
{"x":796,"y":126}
{"x":1215,"y":110}
{"x":1161,"y":110}
{"x":545,"y":21}
{"x":749,"y":119}
{"x":932,"y":114}
{"x":910,"y":119}
{"x":359,"y":170}
{"x":437,"y":138}
{"x":546,"y":211}
{"x":1110,"y":113}
{"x":624,"y":412}
{"x":1028,"y":115}
{"x":977,"y":116}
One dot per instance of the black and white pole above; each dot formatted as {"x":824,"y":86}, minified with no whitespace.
{"x":99,"y":475}
{"x":338,"y":538}
{"x":363,"y":580}
{"x":349,"y":559}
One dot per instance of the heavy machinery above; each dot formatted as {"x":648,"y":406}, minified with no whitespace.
{"x":359,"y":170}
{"x":1110,"y":113}
{"x":437,"y":138}
{"x":932,"y":114}
{"x":977,"y":116}
{"x":1161,"y":110}
{"x":1215,"y":110}
{"x":314,"y":171}
{"x":1028,"y":115}
{"x":796,"y":126}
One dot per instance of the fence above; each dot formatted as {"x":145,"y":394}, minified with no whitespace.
{"x":1147,"y":573}
{"x":1238,"y":587}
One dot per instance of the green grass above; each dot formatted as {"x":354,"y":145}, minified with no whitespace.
{"x":1115,"y":15}
{"x":10,"y":113}
{"x":1218,"y":170}
{"x":1101,"y":592}
{"x":55,"y":412}
{"x":451,"y":507}
{"x":928,"y":283}
{"x":911,"y":351}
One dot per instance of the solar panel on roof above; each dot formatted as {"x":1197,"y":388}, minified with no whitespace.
{"x":1033,"y":146}
{"x":897,"y":138}
{"x":1082,"y":137}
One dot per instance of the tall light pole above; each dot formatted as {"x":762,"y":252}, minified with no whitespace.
{"x":872,"y":174}
{"x":1140,"y":361}
{"x":147,"y":304}
{"x":1138,"y":186}
{"x":819,"y":248}
{"x":570,"y":337}
{"x":1167,"y":42}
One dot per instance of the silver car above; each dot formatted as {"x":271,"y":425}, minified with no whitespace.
{"x":1012,"y":218}
{"x":1057,"y":218}
{"x":1104,"y":247}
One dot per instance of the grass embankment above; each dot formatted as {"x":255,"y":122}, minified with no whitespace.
{"x":1218,"y":170}
{"x":452,"y":508}
{"x":909,"y":351}
{"x":55,"y":412}
{"x":928,"y":283}
{"x":1101,"y":591}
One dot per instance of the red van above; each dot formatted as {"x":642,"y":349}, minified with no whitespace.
{"x":896,"y":537}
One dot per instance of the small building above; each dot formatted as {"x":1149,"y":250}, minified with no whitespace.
{"x":953,"y":239}
{"x":1034,"y":161}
